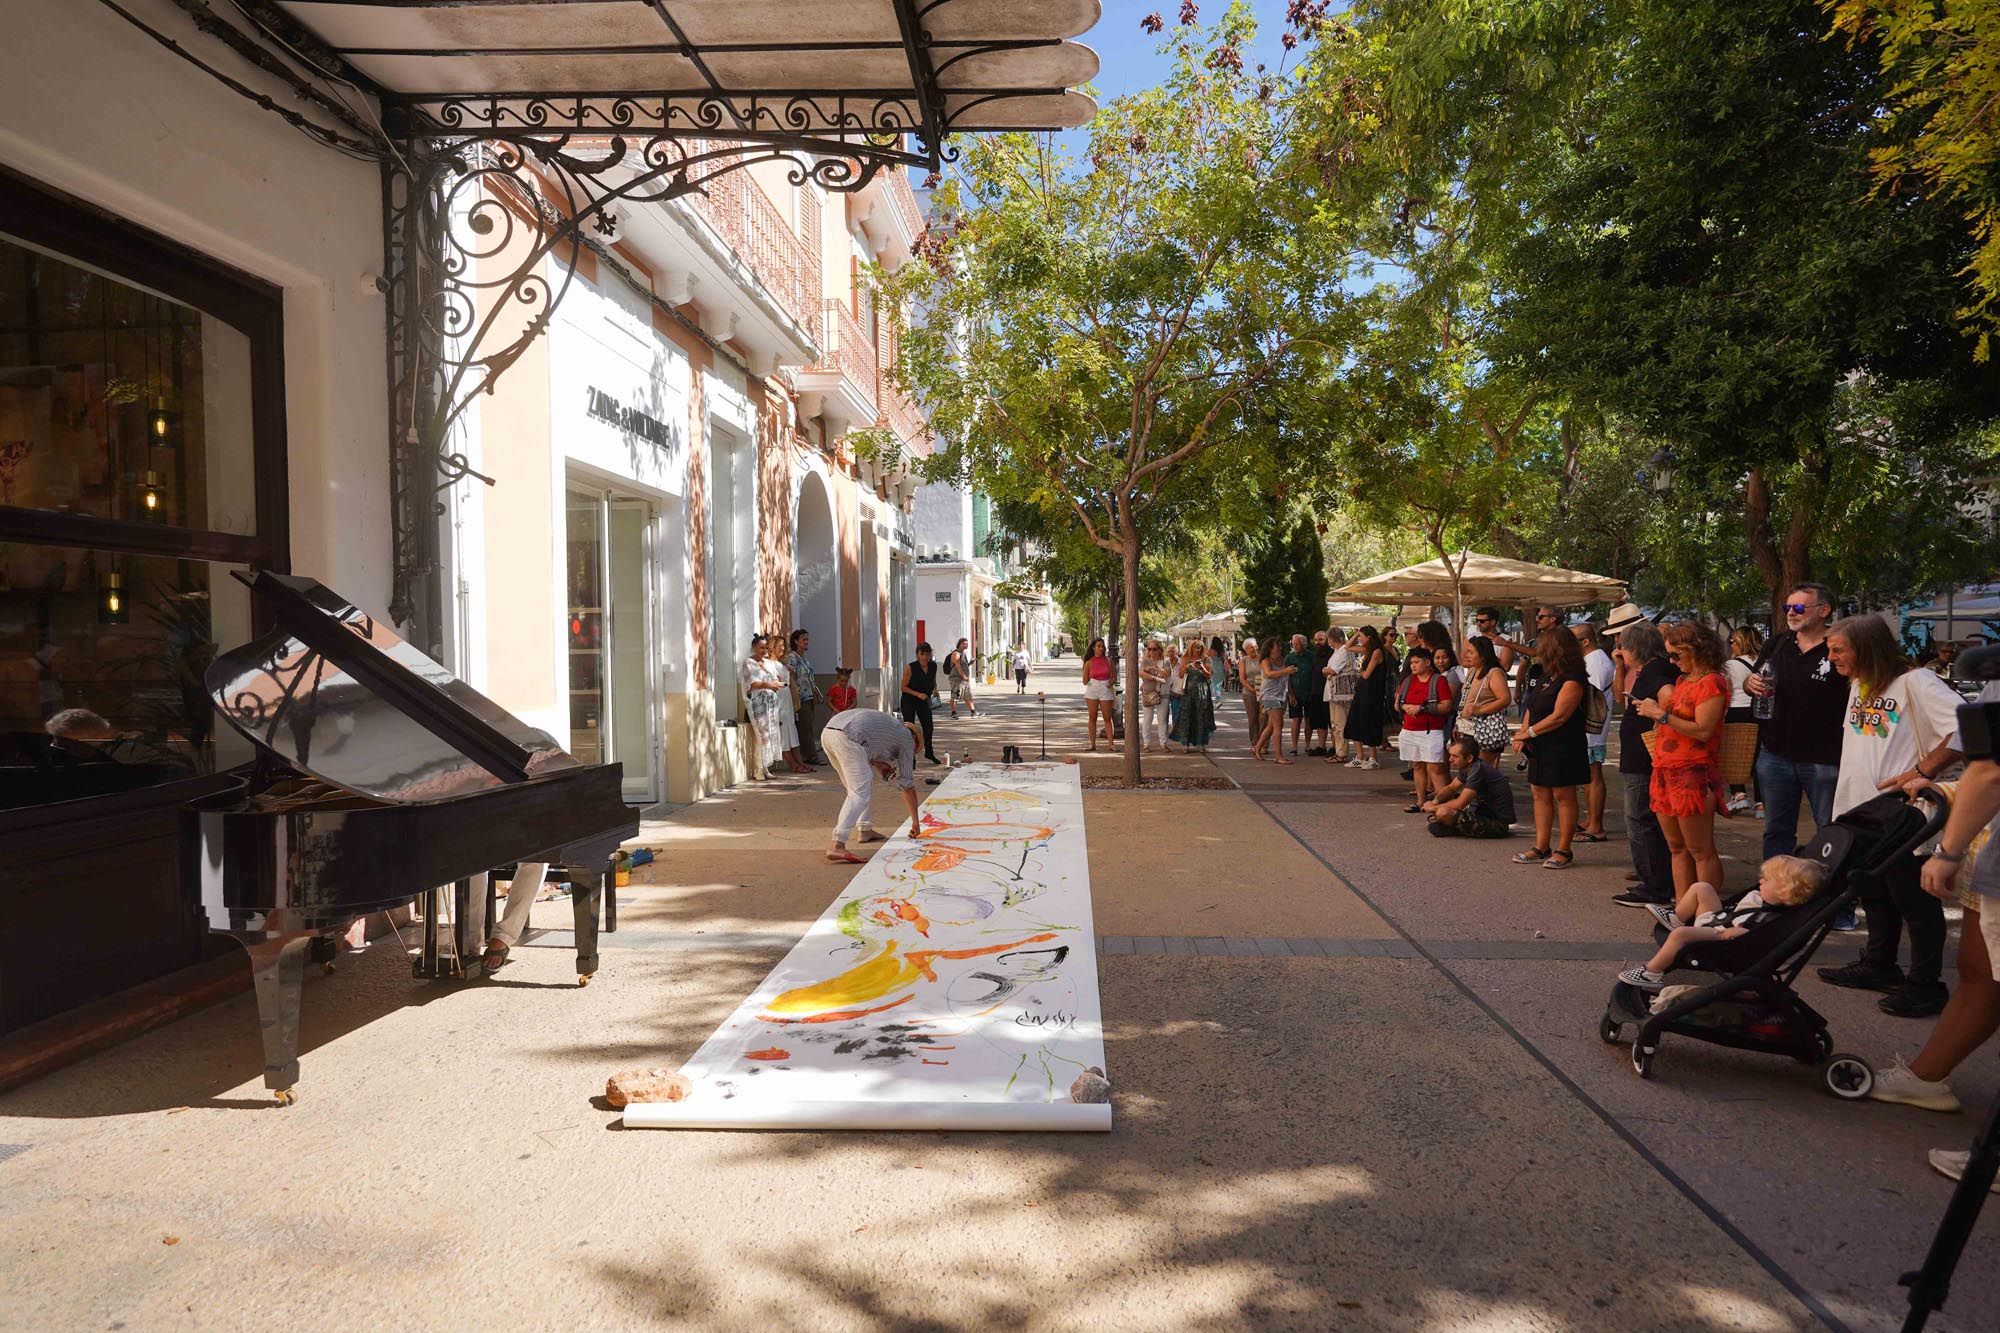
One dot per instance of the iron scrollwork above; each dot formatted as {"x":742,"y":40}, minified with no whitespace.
{"x":485,"y":211}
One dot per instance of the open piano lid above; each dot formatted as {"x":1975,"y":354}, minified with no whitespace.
{"x":335,"y":693}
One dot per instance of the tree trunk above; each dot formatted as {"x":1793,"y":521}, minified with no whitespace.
{"x":1132,"y":736}
{"x":1784,"y":565}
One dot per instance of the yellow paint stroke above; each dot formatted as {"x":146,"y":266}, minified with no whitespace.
{"x":870,"y":980}
{"x":989,"y":800}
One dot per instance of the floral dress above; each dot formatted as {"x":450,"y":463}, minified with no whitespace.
{"x":1687,"y":773}
{"x":763,"y":710}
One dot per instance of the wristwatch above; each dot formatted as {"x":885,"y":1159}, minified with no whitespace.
{"x":1949,"y":858}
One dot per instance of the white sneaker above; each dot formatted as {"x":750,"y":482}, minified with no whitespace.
{"x":1738,"y":804}
{"x":1951,"y":1165}
{"x":1357,"y":762}
{"x":1898,"y":1084}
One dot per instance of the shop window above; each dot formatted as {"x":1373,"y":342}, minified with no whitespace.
{"x":141,"y":459}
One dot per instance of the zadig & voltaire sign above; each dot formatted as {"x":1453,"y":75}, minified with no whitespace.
{"x":631,"y":420}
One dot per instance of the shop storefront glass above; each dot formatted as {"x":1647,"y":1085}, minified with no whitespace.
{"x":614,"y":709}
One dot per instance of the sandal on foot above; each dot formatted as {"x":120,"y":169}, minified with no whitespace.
{"x":494,"y":958}
{"x":846,"y":859}
{"x":1593,"y":837}
{"x":1559,"y":860}
{"x":1531,"y":856}
{"x":1413,"y":809}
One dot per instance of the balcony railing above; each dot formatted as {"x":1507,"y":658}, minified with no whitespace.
{"x":753,"y":227}
{"x":845,"y":349}
{"x":902,"y":415}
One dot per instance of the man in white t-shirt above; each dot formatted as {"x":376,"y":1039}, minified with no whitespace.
{"x":1601,"y":670}
{"x":1901,"y":727}
{"x":1021,"y":670}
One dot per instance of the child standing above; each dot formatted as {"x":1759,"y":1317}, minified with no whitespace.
{"x":1784,"y":881}
{"x":842,"y":696}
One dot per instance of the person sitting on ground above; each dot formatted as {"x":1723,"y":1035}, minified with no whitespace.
{"x":1784,"y":881}
{"x":842,"y":696}
{"x":1477,"y":802}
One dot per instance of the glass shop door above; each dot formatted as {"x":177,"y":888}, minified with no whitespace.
{"x":614,"y":697}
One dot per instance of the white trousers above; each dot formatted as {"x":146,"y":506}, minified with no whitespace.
{"x":1153,"y":722}
{"x":851,"y":762}
{"x":528,"y":877}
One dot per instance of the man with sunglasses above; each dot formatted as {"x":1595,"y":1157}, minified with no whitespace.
{"x":1799,"y":747}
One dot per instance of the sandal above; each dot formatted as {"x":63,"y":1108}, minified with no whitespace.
{"x":1531,"y":856}
{"x":494,"y":958}
{"x":1413,"y":809}
{"x":845,"y":858}
{"x":1593,"y":837}
{"x":1559,"y":860}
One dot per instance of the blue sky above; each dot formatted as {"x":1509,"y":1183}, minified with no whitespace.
{"x":1130,"y":57}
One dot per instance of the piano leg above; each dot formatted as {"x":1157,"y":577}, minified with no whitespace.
{"x":586,"y":893}
{"x":278,"y":968}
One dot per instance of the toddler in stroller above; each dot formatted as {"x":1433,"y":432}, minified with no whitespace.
{"x":1745,"y":999}
{"x":1784,"y":881}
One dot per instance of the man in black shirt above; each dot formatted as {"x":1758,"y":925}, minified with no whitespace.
{"x":1478,"y":803}
{"x":1799,"y":744}
{"x":1643,"y":671}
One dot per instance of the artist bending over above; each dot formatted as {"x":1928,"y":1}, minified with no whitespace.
{"x":862,"y":742}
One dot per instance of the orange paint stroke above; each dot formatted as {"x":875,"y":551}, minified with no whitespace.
{"x":937,"y":1048}
{"x":894,"y":910}
{"x":937,"y":1062}
{"x":768,"y":1053}
{"x":940,"y":857}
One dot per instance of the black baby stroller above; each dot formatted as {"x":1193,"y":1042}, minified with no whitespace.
{"x":1750,"y":1004}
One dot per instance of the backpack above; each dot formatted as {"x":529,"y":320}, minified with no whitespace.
{"x":1596,"y":709}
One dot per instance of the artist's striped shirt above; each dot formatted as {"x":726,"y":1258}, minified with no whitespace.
{"x":883,"y":738}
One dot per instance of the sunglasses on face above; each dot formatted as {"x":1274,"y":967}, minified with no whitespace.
{"x":1800,"y":608}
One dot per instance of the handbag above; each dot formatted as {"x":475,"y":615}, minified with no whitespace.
{"x":1738,"y":760}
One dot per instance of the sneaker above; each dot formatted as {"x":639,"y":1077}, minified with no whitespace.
{"x":1863,"y":975}
{"x":1845,"y":919}
{"x":1738,"y":804}
{"x":1916,"y":1000}
{"x":1640,"y":979}
{"x":1638,"y":898}
{"x":1357,"y":762}
{"x":1898,"y":1084}
{"x":1665,"y":915}
{"x":1951,"y":1165}
{"x":1373,"y":764}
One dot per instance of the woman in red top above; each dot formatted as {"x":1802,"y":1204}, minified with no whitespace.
{"x":1426,"y":709}
{"x":1099,"y":694}
{"x":1687,"y":789}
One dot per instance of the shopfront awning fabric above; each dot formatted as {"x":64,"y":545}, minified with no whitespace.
{"x":721,"y":69}
{"x":1484,"y":578}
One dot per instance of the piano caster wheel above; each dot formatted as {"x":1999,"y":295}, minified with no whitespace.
{"x":583,"y":978}
{"x":287,"y":1096}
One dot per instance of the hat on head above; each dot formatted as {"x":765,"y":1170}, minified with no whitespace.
{"x":1623,"y":616}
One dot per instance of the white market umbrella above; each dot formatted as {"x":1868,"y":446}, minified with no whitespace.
{"x":1472,"y":577}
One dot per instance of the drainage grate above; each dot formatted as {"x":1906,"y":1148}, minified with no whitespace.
{"x":12,"y":1150}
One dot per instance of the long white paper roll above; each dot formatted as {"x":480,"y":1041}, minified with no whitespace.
{"x":743,"y":1113}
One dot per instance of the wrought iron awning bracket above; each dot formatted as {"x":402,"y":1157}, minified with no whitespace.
{"x":484,"y":191}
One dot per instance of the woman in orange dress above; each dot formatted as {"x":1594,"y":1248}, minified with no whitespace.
{"x":1687,"y":791}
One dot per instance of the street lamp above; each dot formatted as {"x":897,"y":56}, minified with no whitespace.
{"x":1660,"y":467}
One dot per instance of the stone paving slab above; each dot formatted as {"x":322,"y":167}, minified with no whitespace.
{"x":1270,"y":1168}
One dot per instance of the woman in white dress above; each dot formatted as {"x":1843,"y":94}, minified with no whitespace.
{"x":788,"y":713}
{"x":767,"y":691}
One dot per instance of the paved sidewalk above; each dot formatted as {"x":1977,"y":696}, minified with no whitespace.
{"x":1317,"y":1127}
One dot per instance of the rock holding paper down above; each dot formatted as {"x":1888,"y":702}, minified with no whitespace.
{"x":1090,"y":1086}
{"x":645,"y":1085}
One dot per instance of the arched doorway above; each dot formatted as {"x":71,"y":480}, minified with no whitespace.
{"x":816,"y":573}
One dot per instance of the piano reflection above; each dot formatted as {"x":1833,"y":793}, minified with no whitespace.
{"x":379,"y":778}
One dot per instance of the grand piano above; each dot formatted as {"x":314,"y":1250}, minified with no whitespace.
{"x":379,"y":778}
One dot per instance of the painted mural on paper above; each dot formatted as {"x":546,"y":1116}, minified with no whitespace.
{"x":958,"y":966}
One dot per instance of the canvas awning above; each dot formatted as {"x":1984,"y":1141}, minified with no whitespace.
{"x":710,"y":68}
{"x":1215,"y":622}
{"x":1485,"y":578}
